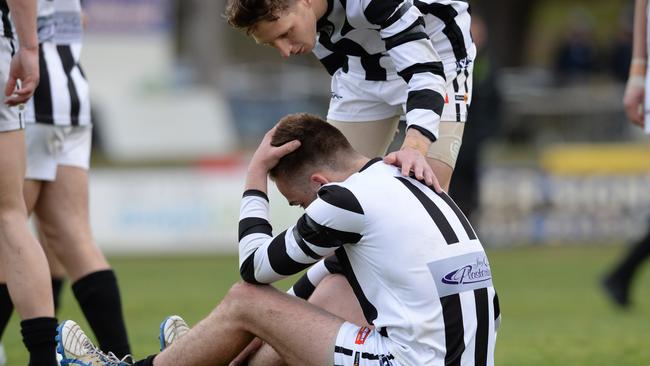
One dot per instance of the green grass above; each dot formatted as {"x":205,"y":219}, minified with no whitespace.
{"x":553,"y":310}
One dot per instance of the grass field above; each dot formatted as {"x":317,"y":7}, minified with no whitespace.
{"x":553,"y":310}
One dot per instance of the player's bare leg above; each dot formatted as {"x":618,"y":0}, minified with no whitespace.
{"x":22,"y":258}
{"x":303,"y":334}
{"x":31,"y":193}
{"x":62,"y":211}
{"x":332,"y":294}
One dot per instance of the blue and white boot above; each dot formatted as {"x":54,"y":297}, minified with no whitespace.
{"x":74,"y":348}
{"x":171,"y":329}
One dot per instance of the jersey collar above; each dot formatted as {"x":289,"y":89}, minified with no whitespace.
{"x":369,"y":163}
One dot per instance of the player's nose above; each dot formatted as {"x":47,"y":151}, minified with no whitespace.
{"x":284,"y":48}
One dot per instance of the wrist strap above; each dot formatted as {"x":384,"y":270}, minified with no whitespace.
{"x":636,"y":81}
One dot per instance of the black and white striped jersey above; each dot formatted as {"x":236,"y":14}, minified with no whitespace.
{"x":62,"y":96}
{"x":423,"y":42}
{"x":307,"y":283}
{"x":413,"y":260}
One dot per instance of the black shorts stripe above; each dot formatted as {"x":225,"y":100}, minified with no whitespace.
{"x":447,"y":14}
{"x":482,"y":326}
{"x":436,"y":215}
{"x":467,"y":91}
{"x":43,"y":109}
{"x":461,"y":217}
{"x":323,"y":236}
{"x":374,"y":356}
{"x":454,"y":329}
{"x":254,"y":225}
{"x":425,"y":99}
{"x":456,"y":91}
{"x":414,"y":32}
{"x":301,"y":243}
{"x":279,"y":259}
{"x":68,"y":62}
{"x":7,"y":31}
{"x":256,"y":193}
{"x":369,"y":310}
{"x":247,"y":269}
{"x":303,"y":288}
{"x":435,"y":68}
{"x":343,"y":350}
{"x":340,"y":197}
{"x":497,"y":308}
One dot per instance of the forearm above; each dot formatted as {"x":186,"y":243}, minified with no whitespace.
{"x":640,"y":46}
{"x":256,"y":178}
{"x":23,"y":15}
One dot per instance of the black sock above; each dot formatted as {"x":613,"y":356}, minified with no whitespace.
{"x":6,"y":308}
{"x":633,"y":259}
{"x":99,"y":298}
{"x":57,"y":286}
{"x":38,"y":336}
{"x":146,"y":362}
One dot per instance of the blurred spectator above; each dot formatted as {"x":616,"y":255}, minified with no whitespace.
{"x":482,"y":121}
{"x":621,"y":49}
{"x":576,"y":55}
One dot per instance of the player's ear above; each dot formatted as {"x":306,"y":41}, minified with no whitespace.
{"x":319,"y":179}
{"x":309,"y":3}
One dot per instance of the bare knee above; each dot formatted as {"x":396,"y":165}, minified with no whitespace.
{"x":12,"y":218}
{"x":240,"y":300}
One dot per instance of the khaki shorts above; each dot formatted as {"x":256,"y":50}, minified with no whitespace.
{"x":372,"y":138}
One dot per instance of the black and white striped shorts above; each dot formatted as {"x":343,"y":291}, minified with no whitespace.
{"x":362,"y":346}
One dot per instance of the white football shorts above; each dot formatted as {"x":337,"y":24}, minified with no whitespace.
{"x":362,"y":346}
{"x":357,"y":100}
{"x":49,"y":146}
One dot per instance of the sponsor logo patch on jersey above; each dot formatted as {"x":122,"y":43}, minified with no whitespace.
{"x":362,"y":335}
{"x":471,"y":273}
{"x":461,"y":273}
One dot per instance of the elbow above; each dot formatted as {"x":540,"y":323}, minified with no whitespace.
{"x":247,"y":270}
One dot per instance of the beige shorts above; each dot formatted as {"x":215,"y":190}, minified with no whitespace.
{"x":372,"y":138}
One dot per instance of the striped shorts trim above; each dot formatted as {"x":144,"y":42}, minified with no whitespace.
{"x":362,"y":346}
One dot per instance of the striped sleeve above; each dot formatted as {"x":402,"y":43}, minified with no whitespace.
{"x":417,"y":62}
{"x":333,"y":219}
{"x":306,"y":284}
